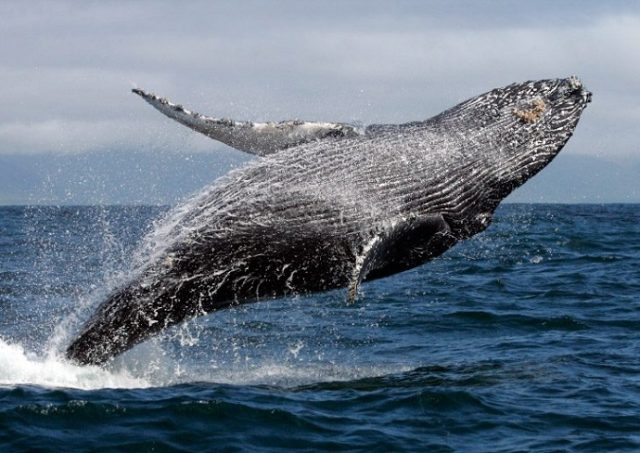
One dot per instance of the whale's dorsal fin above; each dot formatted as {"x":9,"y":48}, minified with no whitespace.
{"x":254,"y":138}
{"x":404,"y":243}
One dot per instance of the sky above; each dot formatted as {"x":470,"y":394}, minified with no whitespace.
{"x":67,"y":69}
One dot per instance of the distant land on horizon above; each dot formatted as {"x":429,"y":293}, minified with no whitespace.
{"x":164,"y":178}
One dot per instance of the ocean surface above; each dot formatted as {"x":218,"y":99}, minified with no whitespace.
{"x":526,"y":337}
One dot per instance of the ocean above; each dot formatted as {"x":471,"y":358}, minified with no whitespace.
{"x":526,"y":337}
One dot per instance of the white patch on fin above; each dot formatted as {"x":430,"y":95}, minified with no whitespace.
{"x":359,"y":270}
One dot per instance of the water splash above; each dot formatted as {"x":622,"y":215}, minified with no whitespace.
{"x":150,"y":366}
{"x":19,"y":367}
{"x":100,"y":242}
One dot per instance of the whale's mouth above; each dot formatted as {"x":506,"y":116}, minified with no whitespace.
{"x":577,"y":88}
{"x":571,"y":91}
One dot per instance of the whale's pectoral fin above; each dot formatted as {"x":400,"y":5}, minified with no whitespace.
{"x":254,"y":138}
{"x":363,"y":262}
{"x":406,"y":243}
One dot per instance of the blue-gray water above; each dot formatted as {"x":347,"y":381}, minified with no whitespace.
{"x":525,"y":337}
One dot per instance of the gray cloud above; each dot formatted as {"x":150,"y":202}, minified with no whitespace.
{"x":66,"y":68}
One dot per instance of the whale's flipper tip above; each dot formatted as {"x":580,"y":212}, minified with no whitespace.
{"x":143,"y":94}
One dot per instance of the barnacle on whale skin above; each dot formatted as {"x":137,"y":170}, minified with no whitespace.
{"x":532,"y":114}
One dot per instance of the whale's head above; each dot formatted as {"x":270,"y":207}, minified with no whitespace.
{"x":517,"y":130}
{"x":539,"y":118}
{"x":504,"y":137}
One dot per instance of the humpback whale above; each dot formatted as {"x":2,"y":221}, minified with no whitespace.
{"x":330,"y":205}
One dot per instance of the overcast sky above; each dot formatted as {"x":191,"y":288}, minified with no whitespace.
{"x":67,"y":68}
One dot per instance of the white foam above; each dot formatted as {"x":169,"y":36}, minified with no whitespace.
{"x":19,"y":367}
{"x":151,"y":367}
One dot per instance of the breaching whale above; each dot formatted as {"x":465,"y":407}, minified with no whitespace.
{"x":331,"y":205}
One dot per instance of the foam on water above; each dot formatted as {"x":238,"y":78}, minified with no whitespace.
{"x":19,"y":367}
{"x":150,"y":366}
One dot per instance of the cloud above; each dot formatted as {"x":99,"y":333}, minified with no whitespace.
{"x":78,"y":136}
{"x":67,"y":68}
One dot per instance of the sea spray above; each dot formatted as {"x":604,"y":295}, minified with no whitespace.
{"x":19,"y":367}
